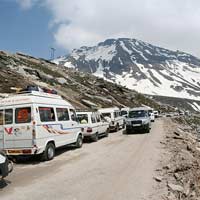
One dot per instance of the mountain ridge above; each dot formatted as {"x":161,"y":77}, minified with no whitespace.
{"x":140,"y":66}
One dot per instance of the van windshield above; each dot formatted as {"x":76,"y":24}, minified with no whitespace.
{"x":137,"y":114}
{"x":106,"y":115}
{"x":124,"y":112}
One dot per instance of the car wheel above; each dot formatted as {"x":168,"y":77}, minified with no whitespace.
{"x":79,"y":141}
{"x":117,"y":128}
{"x":96,"y":137}
{"x":107,"y":132}
{"x":49,"y":152}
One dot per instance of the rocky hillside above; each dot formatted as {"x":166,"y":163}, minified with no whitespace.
{"x":83,"y":90}
{"x":140,"y":66}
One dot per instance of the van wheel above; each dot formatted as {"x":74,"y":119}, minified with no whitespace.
{"x":79,"y":141}
{"x":117,"y":128}
{"x":107,"y":132}
{"x":95,"y":137}
{"x":49,"y":152}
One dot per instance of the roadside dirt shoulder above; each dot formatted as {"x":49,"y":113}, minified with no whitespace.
{"x":179,"y":174}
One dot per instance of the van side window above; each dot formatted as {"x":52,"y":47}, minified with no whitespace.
{"x":73,"y":115}
{"x":62,"y":114}
{"x":98,"y":118}
{"x":46,"y":114}
{"x":22,"y":115}
{"x":115,"y":114}
{"x":8,"y":116}
{"x":93,"y":119}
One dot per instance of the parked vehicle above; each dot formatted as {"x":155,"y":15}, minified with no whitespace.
{"x":37,"y":123}
{"x":156,"y":114}
{"x":124,"y":111}
{"x":93,"y":124}
{"x":138,"y":119}
{"x":117,"y":121}
{"x":151,"y":113}
{"x":6,"y":166}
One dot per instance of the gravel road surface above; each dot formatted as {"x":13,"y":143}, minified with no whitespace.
{"x":120,"y":167}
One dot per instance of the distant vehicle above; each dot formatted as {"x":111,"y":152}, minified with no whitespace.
{"x":138,"y":119}
{"x":151,"y":113}
{"x":124,"y":111}
{"x":93,"y":124}
{"x":117,"y":121}
{"x":37,"y":123}
{"x":6,"y":166}
{"x":156,"y":114}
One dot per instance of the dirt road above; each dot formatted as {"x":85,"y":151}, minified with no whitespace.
{"x":119,"y":167}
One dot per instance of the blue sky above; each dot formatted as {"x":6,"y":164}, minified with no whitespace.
{"x":26,"y":31}
{"x":25,"y":24}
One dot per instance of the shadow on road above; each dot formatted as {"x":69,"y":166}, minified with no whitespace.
{"x":4,"y":183}
{"x":36,"y":159}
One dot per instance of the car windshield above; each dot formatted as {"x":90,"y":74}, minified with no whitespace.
{"x":124,"y":112}
{"x":137,"y":114}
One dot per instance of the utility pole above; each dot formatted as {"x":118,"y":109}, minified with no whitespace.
{"x":52,"y":53}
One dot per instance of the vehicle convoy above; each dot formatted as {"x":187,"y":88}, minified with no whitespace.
{"x":6,"y":166}
{"x":138,"y":119}
{"x":93,"y":124}
{"x":37,"y":123}
{"x":116,"y":120}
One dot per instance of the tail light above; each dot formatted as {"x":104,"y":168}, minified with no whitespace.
{"x":26,"y":151}
{"x":89,"y":130}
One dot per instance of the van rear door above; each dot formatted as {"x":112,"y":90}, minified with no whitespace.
{"x":22,"y":128}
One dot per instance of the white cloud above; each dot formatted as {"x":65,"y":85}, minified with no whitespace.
{"x":169,"y":23}
{"x":26,"y":4}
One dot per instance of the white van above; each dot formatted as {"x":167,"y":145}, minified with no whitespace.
{"x":93,"y":124}
{"x":116,"y":120}
{"x":37,"y":123}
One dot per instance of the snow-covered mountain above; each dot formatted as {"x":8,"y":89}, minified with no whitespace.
{"x":140,"y":66}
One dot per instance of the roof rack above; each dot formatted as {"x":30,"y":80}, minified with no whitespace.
{"x":38,"y":93}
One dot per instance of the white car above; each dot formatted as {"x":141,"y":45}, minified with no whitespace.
{"x":138,"y":119}
{"x":93,"y":124}
{"x":117,"y":121}
{"x":156,"y":114}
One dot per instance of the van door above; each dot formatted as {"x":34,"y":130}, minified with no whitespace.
{"x":22,"y":129}
{"x":65,"y":126}
{"x":75,"y":127}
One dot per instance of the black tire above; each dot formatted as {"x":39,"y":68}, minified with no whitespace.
{"x":49,"y":152}
{"x":107,"y":132}
{"x":117,"y":128}
{"x":95,"y":137}
{"x":79,"y":141}
{"x":147,"y":130}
